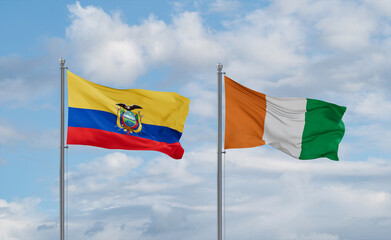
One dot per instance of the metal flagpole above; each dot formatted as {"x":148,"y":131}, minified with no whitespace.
{"x":219,"y":153}
{"x":62,"y":232}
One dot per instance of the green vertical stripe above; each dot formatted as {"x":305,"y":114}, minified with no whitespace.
{"x":323,"y":130}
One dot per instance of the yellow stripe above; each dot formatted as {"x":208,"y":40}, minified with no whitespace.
{"x":167,"y":109}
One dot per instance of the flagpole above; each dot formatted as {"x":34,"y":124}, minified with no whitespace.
{"x":219,"y":153}
{"x":62,"y":232}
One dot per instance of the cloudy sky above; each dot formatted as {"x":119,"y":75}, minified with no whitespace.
{"x":337,"y":51}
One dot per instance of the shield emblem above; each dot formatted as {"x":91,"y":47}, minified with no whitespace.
{"x":128,"y":119}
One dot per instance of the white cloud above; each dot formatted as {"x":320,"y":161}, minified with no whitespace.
{"x":311,"y":236}
{"x":347,"y":25}
{"x":111,"y":166}
{"x":381,"y":7}
{"x":261,"y":46}
{"x":169,"y":199}
{"x":304,"y":47}
{"x":284,"y":49}
{"x":372,"y":105}
{"x":119,"y":53}
{"x":312,"y":53}
{"x":224,"y":6}
{"x":288,"y":48}
{"x":20,"y":219}
{"x":101,"y":177}
{"x":162,"y":219}
{"x":201,"y":100}
{"x":8,"y":134}
{"x":265,"y":189}
{"x":269,"y":190}
{"x":104,"y":42}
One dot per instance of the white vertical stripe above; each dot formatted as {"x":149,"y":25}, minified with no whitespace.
{"x":284,"y":124}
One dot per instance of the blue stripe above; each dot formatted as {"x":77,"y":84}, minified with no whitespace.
{"x":88,"y":118}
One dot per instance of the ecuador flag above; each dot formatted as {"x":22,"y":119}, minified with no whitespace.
{"x":301,"y":127}
{"x":129,"y":119}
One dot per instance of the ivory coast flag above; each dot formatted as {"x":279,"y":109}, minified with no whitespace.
{"x":303,"y":128}
{"x":129,"y":119}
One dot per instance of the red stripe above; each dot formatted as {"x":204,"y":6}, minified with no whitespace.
{"x":111,"y":140}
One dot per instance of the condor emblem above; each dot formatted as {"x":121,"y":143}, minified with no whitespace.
{"x":128,"y":120}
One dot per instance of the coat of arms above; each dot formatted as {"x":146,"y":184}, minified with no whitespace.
{"x":128,"y":119}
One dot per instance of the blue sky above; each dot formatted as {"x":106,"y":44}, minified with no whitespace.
{"x":337,"y":51}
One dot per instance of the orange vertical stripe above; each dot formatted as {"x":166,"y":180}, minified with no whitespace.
{"x":245,"y":112}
